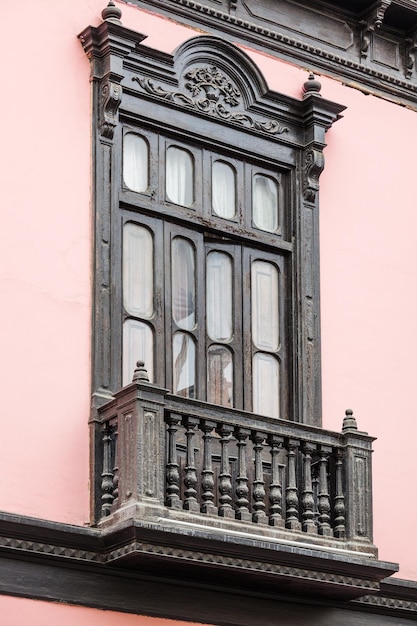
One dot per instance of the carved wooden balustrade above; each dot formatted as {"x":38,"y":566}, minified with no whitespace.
{"x":167,"y":457}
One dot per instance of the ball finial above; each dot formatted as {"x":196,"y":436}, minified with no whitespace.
{"x":311,"y":86}
{"x":111,"y":13}
{"x":140,"y":374}
{"x":349,"y":422}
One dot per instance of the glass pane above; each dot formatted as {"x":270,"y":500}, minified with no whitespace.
{"x":265,"y":385}
{"x":219,"y":296}
{"x":223,"y":189}
{"x":265,"y":319}
{"x":137,"y":346}
{"x":265,"y":203}
{"x":220,"y":376}
{"x":137,"y":270}
{"x":183,"y":349}
{"x":179,"y":176}
{"x":135,"y":162}
{"x":183,"y":283}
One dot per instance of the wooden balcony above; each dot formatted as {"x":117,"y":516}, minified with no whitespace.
{"x":188,"y":487}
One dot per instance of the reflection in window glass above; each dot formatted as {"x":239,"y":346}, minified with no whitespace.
{"x":264,"y":300}
{"x":183,"y":283}
{"x":179,"y":176}
{"x":265,"y":203}
{"x":137,"y":270}
{"x":135,"y":162}
{"x":137,"y":346}
{"x":183,"y":348}
{"x":265,"y":372}
{"x":219,"y":296}
{"x":223,"y":189}
{"x":220,"y":376}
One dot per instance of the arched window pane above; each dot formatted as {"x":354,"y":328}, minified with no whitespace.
{"x":223,"y":185}
{"x":265,"y":385}
{"x":183,"y":349}
{"x":179,"y":176}
{"x":183,"y":283}
{"x":219,"y":296}
{"x":265,"y":318}
{"x":135,"y":162}
{"x":265,"y":203}
{"x":137,"y":346}
{"x":137,"y":270}
{"x":220,"y":375}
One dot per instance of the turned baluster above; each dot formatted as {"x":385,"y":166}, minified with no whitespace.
{"x":315,"y":484}
{"x":225,"y":478}
{"x":291,"y":498}
{"x":275,"y":488}
{"x":307,"y":499}
{"x":259,"y":515}
{"x":242,"y":489}
{"x":107,"y":475}
{"x":339,"y":501}
{"x":173,"y":475}
{"x":323,"y":496}
{"x":115,"y":435}
{"x":207,"y":480}
{"x":190,"y":474}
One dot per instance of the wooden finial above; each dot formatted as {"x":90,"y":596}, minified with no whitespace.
{"x":111,"y":13}
{"x":140,"y":374}
{"x":349,"y":422}
{"x":311,"y":86}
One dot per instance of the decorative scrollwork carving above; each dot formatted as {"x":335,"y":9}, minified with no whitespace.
{"x":213,"y":85}
{"x":111,"y":97}
{"x":213,"y":94}
{"x":313,"y":167}
{"x":372,"y":22}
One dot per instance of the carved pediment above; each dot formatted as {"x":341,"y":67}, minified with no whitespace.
{"x":208,"y":90}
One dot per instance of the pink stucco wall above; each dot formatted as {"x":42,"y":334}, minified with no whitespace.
{"x":18,"y":611}
{"x":368,"y":253}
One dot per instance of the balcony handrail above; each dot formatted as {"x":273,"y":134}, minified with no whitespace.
{"x":269,"y":425}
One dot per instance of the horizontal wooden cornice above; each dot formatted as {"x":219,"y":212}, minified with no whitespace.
{"x":371,"y":46}
{"x":189,"y":566}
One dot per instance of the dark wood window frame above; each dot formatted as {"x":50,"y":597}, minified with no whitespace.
{"x":237,"y":237}
{"x":237,"y":119}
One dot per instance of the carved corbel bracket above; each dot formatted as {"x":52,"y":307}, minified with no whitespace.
{"x":110,"y":99}
{"x":371,"y":22}
{"x":410,"y":54}
{"x":313,"y":167}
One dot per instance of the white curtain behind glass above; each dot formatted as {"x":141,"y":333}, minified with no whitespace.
{"x":179,"y":176}
{"x":135,"y":162}
{"x":223,"y":190}
{"x":183,"y":283}
{"x":219,"y":301}
{"x":265,"y":203}
{"x":183,"y":348}
{"x":137,"y":346}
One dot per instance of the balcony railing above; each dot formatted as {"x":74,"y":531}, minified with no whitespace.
{"x":161,"y":456}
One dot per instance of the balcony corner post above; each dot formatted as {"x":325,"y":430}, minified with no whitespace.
{"x":357,"y":483}
{"x":138,"y":410}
